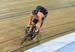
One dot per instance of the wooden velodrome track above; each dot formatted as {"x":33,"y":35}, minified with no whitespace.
{"x":14,"y":18}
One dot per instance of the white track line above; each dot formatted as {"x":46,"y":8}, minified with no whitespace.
{"x":53,"y":45}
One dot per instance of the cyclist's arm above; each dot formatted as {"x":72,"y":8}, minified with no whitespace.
{"x":30,"y":19}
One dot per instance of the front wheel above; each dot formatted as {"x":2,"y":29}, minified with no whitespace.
{"x":32,"y":34}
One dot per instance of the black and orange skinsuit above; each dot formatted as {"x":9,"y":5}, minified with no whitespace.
{"x":39,"y":17}
{"x":40,"y":13}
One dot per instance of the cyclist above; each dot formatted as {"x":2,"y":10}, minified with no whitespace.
{"x":37,"y":17}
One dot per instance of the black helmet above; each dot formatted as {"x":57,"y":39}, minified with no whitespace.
{"x":34,"y":12}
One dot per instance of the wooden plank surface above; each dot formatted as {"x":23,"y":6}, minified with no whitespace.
{"x":14,"y":18}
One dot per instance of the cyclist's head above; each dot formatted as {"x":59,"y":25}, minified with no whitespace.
{"x":34,"y":12}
